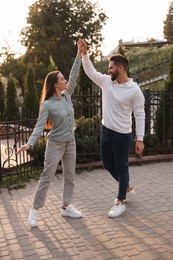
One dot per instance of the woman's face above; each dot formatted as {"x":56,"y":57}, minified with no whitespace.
{"x":61,"y":83}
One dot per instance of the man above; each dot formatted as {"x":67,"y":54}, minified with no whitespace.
{"x":120,"y":97}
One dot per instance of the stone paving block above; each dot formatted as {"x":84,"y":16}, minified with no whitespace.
{"x":4,"y":252}
{"x":140,"y":247}
{"x":119,"y":252}
{"x":32,"y":257}
{"x":17,"y":255}
{"x":76,"y":257}
{"x":103,"y":238}
{"x":166,"y":256}
{"x":45,"y":257}
{"x":6,"y":258}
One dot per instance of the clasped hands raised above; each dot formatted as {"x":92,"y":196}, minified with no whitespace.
{"x":82,"y":47}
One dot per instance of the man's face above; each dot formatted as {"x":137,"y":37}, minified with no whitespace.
{"x":113,"y":70}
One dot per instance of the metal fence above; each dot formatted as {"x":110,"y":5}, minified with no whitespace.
{"x":159,"y":121}
{"x":14,"y":134}
{"x":88,"y":112}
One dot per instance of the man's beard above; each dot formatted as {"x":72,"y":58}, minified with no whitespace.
{"x":114,"y":75}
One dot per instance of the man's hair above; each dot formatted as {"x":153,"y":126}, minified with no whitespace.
{"x":119,"y":59}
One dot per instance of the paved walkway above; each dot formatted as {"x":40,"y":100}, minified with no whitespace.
{"x":143,"y":232}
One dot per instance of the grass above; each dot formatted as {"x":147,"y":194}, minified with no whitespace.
{"x":19,"y":181}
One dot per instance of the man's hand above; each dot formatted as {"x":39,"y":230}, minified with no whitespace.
{"x":139,"y":147}
{"x":82,"y":47}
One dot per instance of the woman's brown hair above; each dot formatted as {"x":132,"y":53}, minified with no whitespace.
{"x":48,"y":91}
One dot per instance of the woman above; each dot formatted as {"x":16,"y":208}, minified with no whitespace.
{"x":56,"y":111}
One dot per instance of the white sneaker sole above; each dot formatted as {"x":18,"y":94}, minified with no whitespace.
{"x":31,"y":225}
{"x":68,"y":214}
{"x":117,"y":215}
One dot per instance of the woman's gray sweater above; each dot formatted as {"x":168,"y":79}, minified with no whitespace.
{"x":59,"y":111}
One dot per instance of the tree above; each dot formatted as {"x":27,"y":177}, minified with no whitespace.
{"x":168,"y":24}
{"x":31,"y":104}
{"x":52,"y":65}
{"x":15,"y":67}
{"x":164,"y":116}
{"x":2,"y":100}
{"x":54,"y":26}
{"x":120,"y":48}
{"x":122,"y":52}
{"x":11,"y":107}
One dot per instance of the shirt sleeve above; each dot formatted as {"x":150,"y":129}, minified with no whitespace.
{"x":73,"y":75}
{"x":139,"y":114}
{"x":92,"y":73}
{"x":40,"y":125}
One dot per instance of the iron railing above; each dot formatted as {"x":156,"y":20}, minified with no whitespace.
{"x":14,"y":134}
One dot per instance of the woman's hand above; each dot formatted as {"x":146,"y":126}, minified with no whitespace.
{"x":23,"y":148}
{"x":82,"y":47}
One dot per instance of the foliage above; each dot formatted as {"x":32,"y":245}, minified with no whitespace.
{"x":2,"y":100}
{"x":152,"y":145}
{"x":19,"y":181}
{"x":30,"y":105}
{"x":16,"y":68}
{"x":11,"y":108}
{"x":88,"y":139}
{"x":142,"y":60}
{"x":13,"y":182}
{"x":164,"y":116}
{"x":87,"y":142}
{"x":50,"y":37}
{"x":121,"y":51}
{"x":168,"y":24}
{"x":53,"y":27}
{"x":37,"y":152}
{"x":156,"y":85}
{"x":52,"y":66}
{"x":120,"y":48}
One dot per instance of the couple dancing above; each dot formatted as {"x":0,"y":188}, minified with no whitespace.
{"x":120,"y":97}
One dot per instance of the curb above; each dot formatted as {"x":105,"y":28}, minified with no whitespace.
{"x":132,"y":161}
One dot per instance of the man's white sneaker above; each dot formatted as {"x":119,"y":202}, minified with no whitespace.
{"x":32,"y":219}
{"x":117,"y":209}
{"x":70,"y":211}
{"x":116,"y":200}
{"x":131,"y":193}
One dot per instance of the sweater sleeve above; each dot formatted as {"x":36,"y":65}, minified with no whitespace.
{"x":40,"y":125}
{"x":73,"y":75}
{"x":92,"y":73}
{"x":139,"y":114}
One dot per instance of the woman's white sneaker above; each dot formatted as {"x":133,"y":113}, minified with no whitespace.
{"x":117,"y":209}
{"x":70,"y":211}
{"x":32,"y":219}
